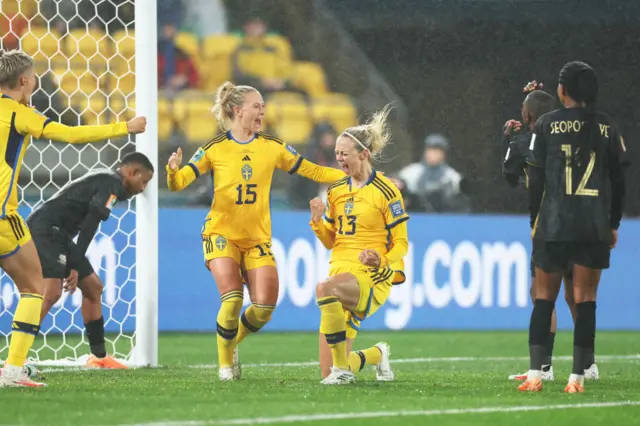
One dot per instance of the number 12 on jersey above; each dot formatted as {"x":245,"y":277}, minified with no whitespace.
{"x":581,"y":190}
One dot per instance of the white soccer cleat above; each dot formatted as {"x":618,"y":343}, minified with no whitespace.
{"x":237,"y":367}
{"x":547,"y":376}
{"x":339,"y":377}
{"x":383,"y":369}
{"x":226,"y":374}
{"x":592,"y":372}
{"x":15,"y":377}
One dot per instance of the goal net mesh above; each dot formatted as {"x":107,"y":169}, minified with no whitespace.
{"x":85,"y":62}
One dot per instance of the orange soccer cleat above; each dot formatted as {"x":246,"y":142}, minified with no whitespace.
{"x":574,"y":387}
{"x":106,"y":362}
{"x":533,"y":385}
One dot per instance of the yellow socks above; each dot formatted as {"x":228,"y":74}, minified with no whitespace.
{"x":358,"y":359}
{"x":230,"y":307}
{"x":334,"y":328}
{"x":25,"y":327}
{"x":253,"y":319}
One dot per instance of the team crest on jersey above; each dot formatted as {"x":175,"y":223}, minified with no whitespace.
{"x":396,"y":209}
{"x":348,"y":206}
{"x":247,"y":172}
{"x":291,"y":149}
{"x":197,"y":156}
{"x":221,"y":242}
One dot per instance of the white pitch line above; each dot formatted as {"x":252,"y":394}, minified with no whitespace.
{"x":379,"y":414}
{"x":630,"y":357}
{"x":434,"y":360}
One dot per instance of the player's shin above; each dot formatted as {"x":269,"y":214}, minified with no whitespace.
{"x":25,"y":327}
{"x":358,"y":359}
{"x":230,"y":307}
{"x":253,"y":319}
{"x":539,"y":336}
{"x":583,"y":338}
{"x":334,"y":328}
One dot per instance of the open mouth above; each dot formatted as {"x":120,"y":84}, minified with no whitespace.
{"x":345,"y":168}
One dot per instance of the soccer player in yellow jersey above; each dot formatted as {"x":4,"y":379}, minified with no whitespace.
{"x":365,"y":226}
{"x":18,"y":255}
{"x":236,"y":233}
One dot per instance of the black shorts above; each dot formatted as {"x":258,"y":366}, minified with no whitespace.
{"x":551,"y":256}
{"x":54,"y":251}
{"x":532,"y":267}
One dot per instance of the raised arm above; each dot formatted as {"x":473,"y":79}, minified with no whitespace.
{"x":179,"y":178}
{"x":290,"y":161}
{"x":322,"y":223}
{"x":30,"y":122}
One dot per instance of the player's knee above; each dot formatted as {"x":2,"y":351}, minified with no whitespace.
{"x":94,"y":293}
{"x":52,"y":295}
{"x":325,"y":289}
{"x":263,"y":314}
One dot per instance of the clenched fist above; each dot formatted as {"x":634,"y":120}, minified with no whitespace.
{"x":175,"y":160}
{"x":137,"y":125}
{"x":370,"y":257}
{"x":317,"y":209}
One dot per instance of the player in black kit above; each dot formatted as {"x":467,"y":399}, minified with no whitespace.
{"x":78,"y":209}
{"x":515,"y":148}
{"x":576,"y":189}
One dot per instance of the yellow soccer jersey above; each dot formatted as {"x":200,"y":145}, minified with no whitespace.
{"x":242,"y":175}
{"x":17,"y":124}
{"x":371,"y":217}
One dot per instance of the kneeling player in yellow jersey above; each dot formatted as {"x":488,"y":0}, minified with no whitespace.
{"x":18,"y":255}
{"x":236,"y":233}
{"x":365,"y":225}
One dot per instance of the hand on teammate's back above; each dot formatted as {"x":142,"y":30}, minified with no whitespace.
{"x":137,"y":125}
{"x":175,"y":160}
{"x":317,"y":209}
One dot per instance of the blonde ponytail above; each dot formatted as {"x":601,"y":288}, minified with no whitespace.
{"x":228,"y":96}
{"x":13,"y":65}
{"x":374,"y":135}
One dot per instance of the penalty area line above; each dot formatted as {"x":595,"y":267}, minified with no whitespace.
{"x":380,"y":414}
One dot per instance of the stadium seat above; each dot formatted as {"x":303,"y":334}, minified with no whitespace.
{"x":335,"y":108}
{"x":123,"y":51}
{"x":189,"y":43}
{"x":78,"y":83}
{"x":90,"y":47}
{"x":216,"y":59}
{"x":94,"y":110}
{"x":309,"y":77}
{"x":165,"y":119}
{"x":289,"y":116}
{"x":41,"y":44}
{"x":195,"y":118}
{"x":123,"y":83}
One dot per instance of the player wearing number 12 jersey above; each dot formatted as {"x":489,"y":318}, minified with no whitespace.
{"x":237,"y":231}
{"x":365,"y":226}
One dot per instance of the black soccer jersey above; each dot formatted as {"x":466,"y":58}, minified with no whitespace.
{"x":514,"y":164}
{"x":571,"y":198}
{"x":69,"y":207}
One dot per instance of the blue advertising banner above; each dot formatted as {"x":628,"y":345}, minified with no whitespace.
{"x":463,"y":272}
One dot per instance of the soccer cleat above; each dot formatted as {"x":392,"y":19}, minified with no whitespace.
{"x":106,"y":363}
{"x":533,"y":385}
{"x":226,"y":374}
{"x":17,"y":379}
{"x":547,"y":375}
{"x":383,"y":369}
{"x":574,"y":387}
{"x":339,"y":377}
{"x":237,"y":367}
{"x":592,"y":372}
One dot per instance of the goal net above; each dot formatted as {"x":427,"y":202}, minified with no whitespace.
{"x":85,"y":62}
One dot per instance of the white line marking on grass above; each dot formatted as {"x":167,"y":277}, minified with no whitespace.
{"x":378,"y":414}
{"x":434,"y":360}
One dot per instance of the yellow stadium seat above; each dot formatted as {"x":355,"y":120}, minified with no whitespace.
{"x":90,"y":47}
{"x":284,"y":97}
{"x":198,"y":130}
{"x":195,"y":118}
{"x":123,"y":60}
{"x":335,"y":108}
{"x":94,"y":110}
{"x":288,"y":114}
{"x":165,"y":119}
{"x":41,"y":44}
{"x":189,"y":43}
{"x":27,"y":8}
{"x":309,"y":77}
{"x":77,"y":82}
{"x":124,"y":84}
{"x":216,"y":59}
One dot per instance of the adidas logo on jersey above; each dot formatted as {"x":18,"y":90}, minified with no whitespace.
{"x":246,"y":158}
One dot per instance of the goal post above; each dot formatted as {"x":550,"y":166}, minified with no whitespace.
{"x":96,"y":63}
{"x":146,"y":47}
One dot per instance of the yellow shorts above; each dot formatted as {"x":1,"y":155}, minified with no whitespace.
{"x":14,"y":233}
{"x":375,"y":285}
{"x":217,"y":246}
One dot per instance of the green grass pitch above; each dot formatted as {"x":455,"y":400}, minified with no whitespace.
{"x":443,"y":378}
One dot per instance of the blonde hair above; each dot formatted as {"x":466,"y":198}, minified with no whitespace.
{"x":374,"y":135}
{"x":13,"y":64}
{"x":228,"y":96}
